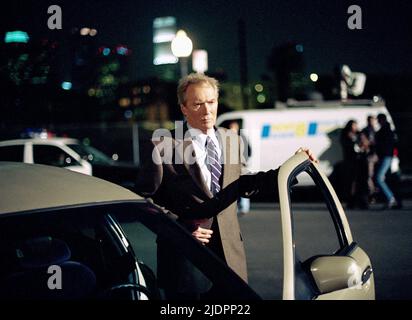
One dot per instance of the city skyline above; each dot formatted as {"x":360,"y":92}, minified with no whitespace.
{"x":383,"y":45}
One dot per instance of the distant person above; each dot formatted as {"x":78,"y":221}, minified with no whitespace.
{"x":352,"y":163}
{"x":372,"y":159}
{"x":385,"y":144}
{"x":243,"y":203}
{"x":362,"y":172}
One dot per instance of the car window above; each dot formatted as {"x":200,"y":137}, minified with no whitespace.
{"x":91,"y":154}
{"x":83,"y":245}
{"x":11,"y":153}
{"x":313,"y":227}
{"x":53,"y":156}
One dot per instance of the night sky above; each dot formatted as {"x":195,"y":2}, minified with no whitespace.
{"x":383,"y":46}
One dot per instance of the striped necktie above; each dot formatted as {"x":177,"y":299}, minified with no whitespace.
{"x":213,"y":164}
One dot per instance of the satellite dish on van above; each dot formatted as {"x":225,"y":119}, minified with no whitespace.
{"x":358,"y":85}
{"x":352,"y":83}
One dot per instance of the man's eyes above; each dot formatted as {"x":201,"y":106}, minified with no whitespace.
{"x":201,"y":103}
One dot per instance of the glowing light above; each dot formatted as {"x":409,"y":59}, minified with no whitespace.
{"x":314,"y":77}
{"x":261,"y":98}
{"x":258,"y":87}
{"x":128,"y":114}
{"x":66,"y":85}
{"x":181,"y":45}
{"x":165,"y":59}
{"x":106,"y":51}
{"x":92,"y":32}
{"x":115,"y":156}
{"x":299,"y":48}
{"x":146,"y":89}
{"x":16,"y":37}
{"x":84,"y":31}
{"x":162,"y":37}
{"x":200,"y":61}
{"x":122,"y":50}
{"x":164,"y":22}
{"x":124,"y":102}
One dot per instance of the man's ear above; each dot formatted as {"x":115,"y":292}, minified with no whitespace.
{"x":183,"y":109}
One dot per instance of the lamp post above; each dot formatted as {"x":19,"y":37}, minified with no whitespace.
{"x":182,"y":48}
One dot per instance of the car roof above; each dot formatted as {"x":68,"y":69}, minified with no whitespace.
{"x":40,"y":141}
{"x":30,"y":187}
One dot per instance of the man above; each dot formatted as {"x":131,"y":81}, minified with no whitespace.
{"x":196,"y":173}
{"x":385,"y":144}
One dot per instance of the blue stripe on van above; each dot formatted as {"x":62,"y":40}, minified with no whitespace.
{"x":265,"y":131}
{"x":313,"y":126}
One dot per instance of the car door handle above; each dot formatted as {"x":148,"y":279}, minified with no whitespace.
{"x":366,"y":274}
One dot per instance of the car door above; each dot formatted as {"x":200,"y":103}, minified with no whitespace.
{"x":336,"y":266}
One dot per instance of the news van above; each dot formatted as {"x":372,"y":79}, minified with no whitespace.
{"x":274,"y":135}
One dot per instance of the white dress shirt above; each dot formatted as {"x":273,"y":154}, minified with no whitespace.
{"x":199,"y":146}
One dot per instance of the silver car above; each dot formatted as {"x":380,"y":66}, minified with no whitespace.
{"x":66,"y":235}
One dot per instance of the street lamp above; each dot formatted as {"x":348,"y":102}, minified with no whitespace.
{"x":182,"y":48}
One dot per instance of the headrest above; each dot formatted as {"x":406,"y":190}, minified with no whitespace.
{"x":42,"y":252}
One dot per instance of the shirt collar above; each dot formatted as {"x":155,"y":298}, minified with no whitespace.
{"x":200,"y":137}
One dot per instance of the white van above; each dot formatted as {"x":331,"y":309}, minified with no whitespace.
{"x":275,"y":134}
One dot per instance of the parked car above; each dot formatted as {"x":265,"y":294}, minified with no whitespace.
{"x":57,"y":222}
{"x":70,"y":154}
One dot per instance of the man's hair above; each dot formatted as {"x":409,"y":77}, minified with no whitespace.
{"x":194,"y":78}
{"x":382,"y":117}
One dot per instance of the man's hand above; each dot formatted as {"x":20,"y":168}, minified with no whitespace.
{"x":309,"y":153}
{"x":203,"y":235}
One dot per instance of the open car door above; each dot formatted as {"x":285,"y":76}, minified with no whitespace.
{"x":344,"y":272}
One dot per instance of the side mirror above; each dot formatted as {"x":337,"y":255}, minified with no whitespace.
{"x":332,"y":273}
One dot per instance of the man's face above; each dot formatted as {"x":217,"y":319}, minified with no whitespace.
{"x":200,"y":107}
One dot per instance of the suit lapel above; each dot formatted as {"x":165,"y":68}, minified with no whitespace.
{"x":230,"y":156}
{"x":190,"y":162}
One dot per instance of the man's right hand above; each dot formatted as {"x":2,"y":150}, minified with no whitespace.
{"x":202,"y":234}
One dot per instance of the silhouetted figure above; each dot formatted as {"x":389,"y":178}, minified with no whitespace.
{"x":385,"y":144}
{"x":355,"y":168}
{"x":372,"y":159}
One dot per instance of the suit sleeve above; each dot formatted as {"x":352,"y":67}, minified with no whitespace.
{"x":150,"y":175}
{"x":262,"y":183}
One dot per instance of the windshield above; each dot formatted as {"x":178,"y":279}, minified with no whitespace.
{"x":91,"y":154}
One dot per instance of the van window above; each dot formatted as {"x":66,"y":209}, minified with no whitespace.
{"x":12,"y":153}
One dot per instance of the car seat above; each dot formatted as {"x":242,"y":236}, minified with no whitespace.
{"x":33,"y":279}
